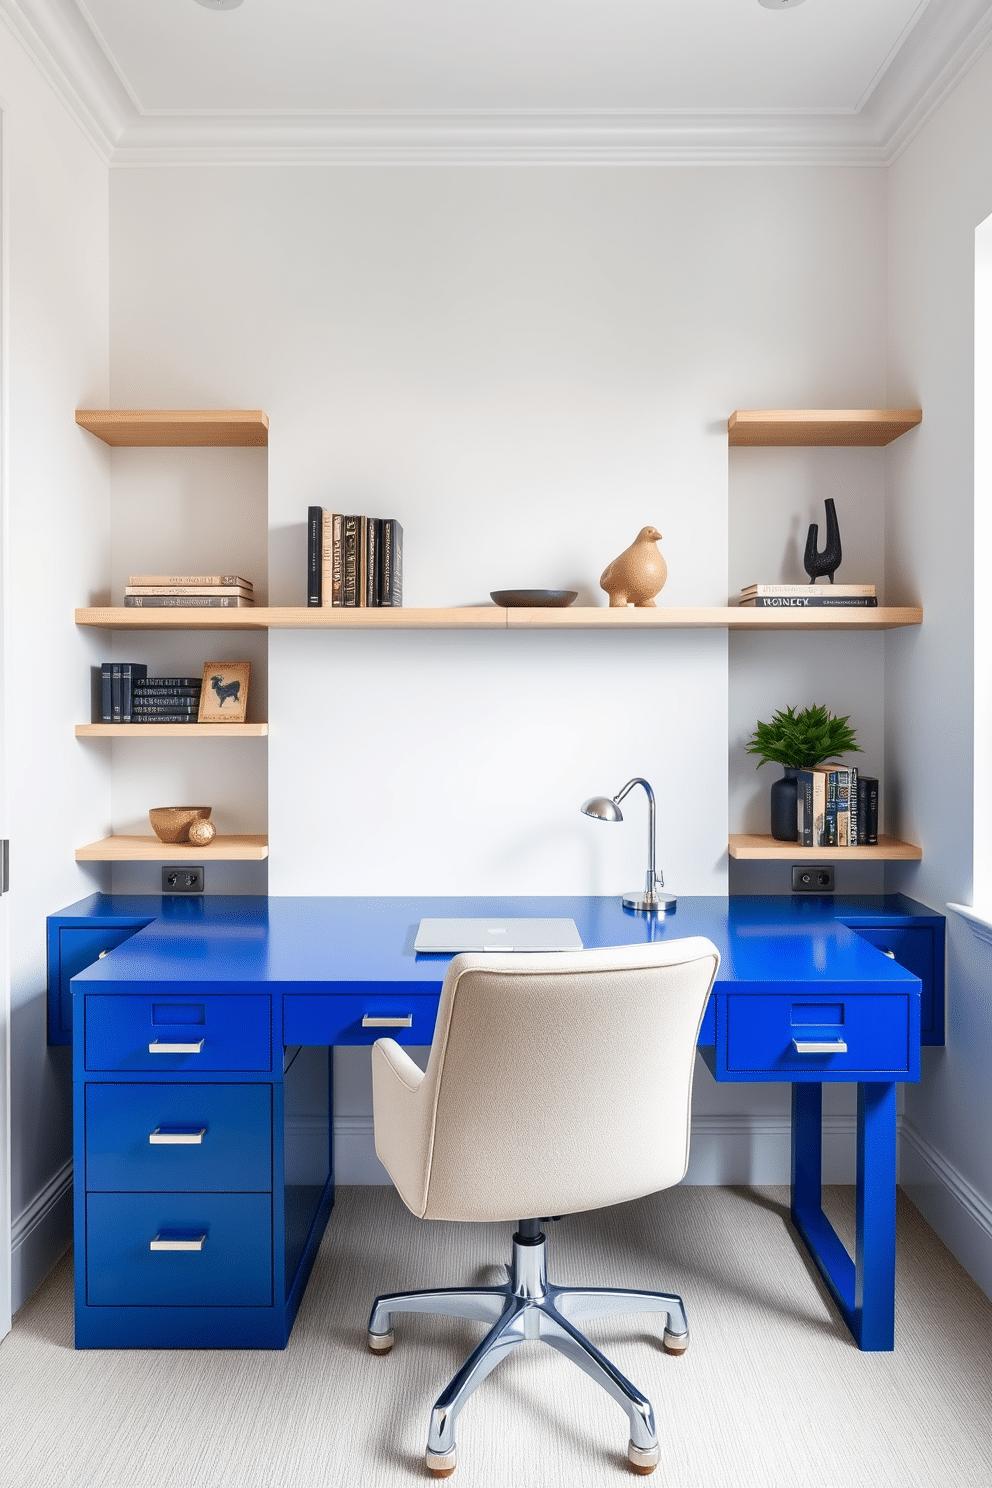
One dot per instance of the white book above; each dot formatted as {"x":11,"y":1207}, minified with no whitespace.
{"x":838,"y":589}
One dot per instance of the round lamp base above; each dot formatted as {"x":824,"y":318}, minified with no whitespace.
{"x":650,"y":903}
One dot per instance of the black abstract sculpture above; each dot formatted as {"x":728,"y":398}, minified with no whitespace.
{"x":826,"y":562}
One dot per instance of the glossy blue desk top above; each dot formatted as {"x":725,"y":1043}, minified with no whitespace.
{"x":233,"y":940}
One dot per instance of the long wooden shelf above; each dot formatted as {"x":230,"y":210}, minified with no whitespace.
{"x":820,"y":426}
{"x":158,"y":427}
{"x":490,"y":617}
{"x":888,"y":849}
{"x":150,"y":850}
{"x":172,"y":730}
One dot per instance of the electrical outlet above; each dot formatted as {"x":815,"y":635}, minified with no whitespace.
{"x":812,"y":878}
{"x":182,"y":880}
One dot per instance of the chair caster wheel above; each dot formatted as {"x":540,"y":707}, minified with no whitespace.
{"x":440,"y":1464}
{"x":643,"y":1460}
{"x":675,"y":1343}
{"x":380,"y":1343}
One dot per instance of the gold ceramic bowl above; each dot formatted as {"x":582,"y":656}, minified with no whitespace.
{"x":172,"y":823}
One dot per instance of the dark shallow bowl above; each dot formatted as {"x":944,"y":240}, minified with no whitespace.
{"x":534,"y":598}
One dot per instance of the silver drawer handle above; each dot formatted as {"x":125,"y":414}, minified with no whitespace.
{"x":886,"y":952}
{"x":405,"y":1020}
{"x":157,"y":1047}
{"x":195,"y":1242}
{"x":102,"y":954}
{"x":168,"y":1136}
{"x":819,"y":1046}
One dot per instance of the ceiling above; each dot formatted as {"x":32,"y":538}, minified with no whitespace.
{"x":844,"y":80}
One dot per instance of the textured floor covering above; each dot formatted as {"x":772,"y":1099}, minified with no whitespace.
{"x":772,"y":1391}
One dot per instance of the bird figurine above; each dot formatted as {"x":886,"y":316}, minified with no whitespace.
{"x":826,"y":562}
{"x":638,"y":574}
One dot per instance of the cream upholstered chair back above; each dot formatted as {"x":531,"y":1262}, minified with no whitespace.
{"x":556,"y":1082}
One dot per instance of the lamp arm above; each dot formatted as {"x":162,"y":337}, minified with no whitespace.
{"x":638,"y":780}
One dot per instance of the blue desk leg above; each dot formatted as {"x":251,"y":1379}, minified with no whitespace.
{"x":875,"y":1292}
{"x":863,"y":1289}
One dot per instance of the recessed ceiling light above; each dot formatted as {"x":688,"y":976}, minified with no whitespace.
{"x":233,"y":4}
{"x":768,"y":4}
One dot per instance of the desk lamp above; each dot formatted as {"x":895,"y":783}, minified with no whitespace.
{"x":654,"y":897}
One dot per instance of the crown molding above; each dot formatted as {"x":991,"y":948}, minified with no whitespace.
{"x":943,"y":40}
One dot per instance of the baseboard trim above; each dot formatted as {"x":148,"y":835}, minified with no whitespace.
{"x":40,"y":1235}
{"x":730,"y":1149}
{"x":949,"y":1203}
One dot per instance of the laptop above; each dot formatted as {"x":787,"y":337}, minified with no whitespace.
{"x":448,"y":936}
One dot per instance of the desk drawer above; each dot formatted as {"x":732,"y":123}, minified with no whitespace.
{"x":913,"y":947}
{"x":205,"y":1137}
{"x":323,"y":1018}
{"x":232,"y":1267}
{"x":71,"y":950}
{"x":763,"y":1031}
{"x":189,"y":1033}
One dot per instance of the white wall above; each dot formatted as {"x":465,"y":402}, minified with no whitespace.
{"x":524,"y":367}
{"x":939,"y":191}
{"x":57,"y":497}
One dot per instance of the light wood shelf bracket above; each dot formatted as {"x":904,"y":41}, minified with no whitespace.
{"x":189,"y":427}
{"x":757,"y":847}
{"x":489,"y":617}
{"x":820,"y":426}
{"x":122,"y":849}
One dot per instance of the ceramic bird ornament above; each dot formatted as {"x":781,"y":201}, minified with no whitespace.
{"x":638,"y":574}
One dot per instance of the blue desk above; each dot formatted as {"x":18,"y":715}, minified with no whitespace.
{"x":196,"y":1224}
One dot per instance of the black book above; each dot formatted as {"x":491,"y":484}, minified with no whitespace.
{"x":196,"y":682}
{"x":315,"y":541}
{"x":131,"y":671}
{"x":811,"y":602}
{"x":165,"y":718}
{"x":106,"y":692}
{"x":867,"y":811}
{"x":373,"y":529}
{"x":351,"y":561}
{"x":115,"y":692}
{"x":391,"y":566}
{"x":168,"y":705}
{"x":151,"y":689}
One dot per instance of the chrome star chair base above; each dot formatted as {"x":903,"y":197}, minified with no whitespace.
{"x":525,"y":1307}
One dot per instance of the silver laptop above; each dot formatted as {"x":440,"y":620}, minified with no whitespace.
{"x":447,"y":936}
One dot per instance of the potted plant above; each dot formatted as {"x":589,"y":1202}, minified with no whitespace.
{"x":798,"y":741}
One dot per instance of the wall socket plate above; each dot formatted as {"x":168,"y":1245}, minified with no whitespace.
{"x":812,"y":878}
{"x":182,"y":879}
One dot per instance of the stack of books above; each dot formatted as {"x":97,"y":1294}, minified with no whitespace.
{"x":353,"y":561}
{"x":129,"y":695}
{"x":808,"y":596}
{"x":836,"y":807}
{"x":188,"y":591}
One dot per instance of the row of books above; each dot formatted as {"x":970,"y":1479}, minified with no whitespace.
{"x":836,"y":807}
{"x":353,"y":561}
{"x":808,"y":596}
{"x":129,"y":695}
{"x":188,"y":591}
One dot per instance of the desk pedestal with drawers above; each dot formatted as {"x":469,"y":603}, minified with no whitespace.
{"x":203,"y":1156}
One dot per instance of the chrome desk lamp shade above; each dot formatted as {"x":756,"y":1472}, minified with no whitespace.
{"x":654,"y":897}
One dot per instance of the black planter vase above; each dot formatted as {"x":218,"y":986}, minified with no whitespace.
{"x":783,"y":801}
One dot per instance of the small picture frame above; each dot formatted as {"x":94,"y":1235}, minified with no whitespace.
{"x":224,"y":694}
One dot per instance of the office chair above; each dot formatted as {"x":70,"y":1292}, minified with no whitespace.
{"x":556,"y":1083}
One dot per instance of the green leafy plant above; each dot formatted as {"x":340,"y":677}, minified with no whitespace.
{"x":801,"y":740}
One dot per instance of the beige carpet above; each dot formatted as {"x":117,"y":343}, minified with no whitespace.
{"x":772,"y":1391}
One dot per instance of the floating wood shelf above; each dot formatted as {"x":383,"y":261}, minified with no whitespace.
{"x":823,"y":426}
{"x":171,"y":730}
{"x":489,"y":617}
{"x":150,"y":850}
{"x":888,"y":849}
{"x":196,"y":427}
